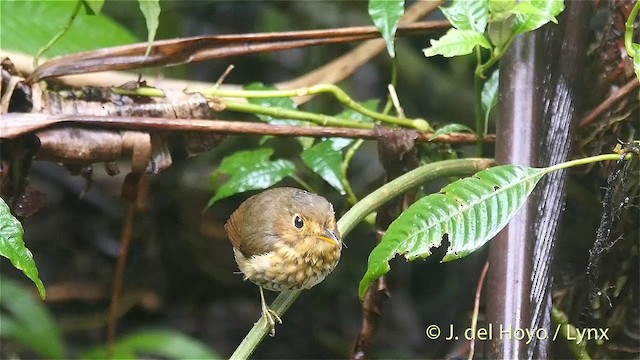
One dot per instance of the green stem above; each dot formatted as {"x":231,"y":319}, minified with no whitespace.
{"x":584,"y":161}
{"x":564,"y":329}
{"x":56,"y":37}
{"x":351,"y":196}
{"x":477,"y":91}
{"x":628,"y":30}
{"x":356,"y":214}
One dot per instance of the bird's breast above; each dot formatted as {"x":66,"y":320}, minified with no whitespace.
{"x":288,"y":269}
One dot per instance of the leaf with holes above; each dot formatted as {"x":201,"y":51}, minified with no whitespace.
{"x":12,"y":247}
{"x":467,"y":213}
{"x":250,"y":170}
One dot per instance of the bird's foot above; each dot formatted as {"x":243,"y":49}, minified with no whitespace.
{"x":271,"y":317}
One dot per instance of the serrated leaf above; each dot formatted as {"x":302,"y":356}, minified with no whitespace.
{"x":468,"y":213}
{"x":489,"y":96}
{"x":386,"y":15}
{"x":27,"y":321}
{"x":151,"y":11}
{"x":448,"y":129}
{"x":457,"y":42}
{"x":468,"y":14}
{"x":93,"y":6}
{"x":12,"y":247}
{"x":526,"y":21}
{"x":325,"y":161}
{"x":34,"y":23}
{"x":157,"y":343}
{"x":250,"y":170}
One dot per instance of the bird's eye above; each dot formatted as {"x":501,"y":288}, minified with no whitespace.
{"x":298,"y":222}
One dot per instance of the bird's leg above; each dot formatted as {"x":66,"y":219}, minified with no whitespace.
{"x":269,"y":314}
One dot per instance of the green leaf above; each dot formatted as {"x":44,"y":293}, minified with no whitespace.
{"x":501,"y":6}
{"x":250,"y":170}
{"x":28,"y":321}
{"x":93,"y":6}
{"x":386,"y":15}
{"x":468,"y":14}
{"x":155,"y":343}
{"x":448,"y":129}
{"x":12,"y":247}
{"x":636,"y":59}
{"x":528,"y":19}
{"x":34,"y":23}
{"x":489,"y":96}
{"x":457,"y":42}
{"x":467,"y":213}
{"x":325,"y":160}
{"x":151,"y":11}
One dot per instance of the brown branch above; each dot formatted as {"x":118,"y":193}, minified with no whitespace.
{"x":476,"y":308}
{"x":15,"y":124}
{"x":186,"y":50}
{"x":609,"y":102}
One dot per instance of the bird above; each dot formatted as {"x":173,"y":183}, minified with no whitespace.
{"x":284,"y":239}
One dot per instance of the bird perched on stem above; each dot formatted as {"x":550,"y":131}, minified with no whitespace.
{"x":284,"y":239}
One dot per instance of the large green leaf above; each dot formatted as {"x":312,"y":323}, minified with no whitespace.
{"x":468,"y":14}
{"x":29,"y":25}
{"x":466,"y":213}
{"x":325,"y":161}
{"x":27,"y":321}
{"x":250,"y":170}
{"x":457,"y":42}
{"x":162,"y":343}
{"x":386,"y":15}
{"x":12,"y":247}
{"x":532,"y":14}
{"x":151,"y":11}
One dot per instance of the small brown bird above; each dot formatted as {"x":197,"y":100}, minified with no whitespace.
{"x":284,"y":239}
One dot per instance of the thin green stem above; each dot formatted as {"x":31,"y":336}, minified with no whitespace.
{"x":584,"y":161}
{"x":348,"y":156}
{"x":628,"y":30}
{"x":56,"y":37}
{"x":477,"y":91}
{"x":338,"y":93}
{"x":354,"y":216}
{"x":301,"y":182}
{"x":569,"y":333}
{"x":394,"y":80}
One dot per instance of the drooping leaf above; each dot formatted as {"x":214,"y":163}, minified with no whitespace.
{"x":466,"y":213}
{"x":468,"y":14}
{"x":156,"y":343}
{"x":28,"y":321}
{"x":448,"y":129}
{"x":386,"y":15}
{"x":489,"y":96}
{"x":457,"y":42}
{"x":151,"y":11}
{"x":93,"y":6}
{"x":325,"y":161}
{"x":12,"y":247}
{"x":527,"y":21}
{"x":250,"y":170}
{"x":34,"y":23}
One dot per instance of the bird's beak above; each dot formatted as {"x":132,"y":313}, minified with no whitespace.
{"x":330,"y":237}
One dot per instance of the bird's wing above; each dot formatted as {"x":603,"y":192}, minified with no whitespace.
{"x":257,"y":238}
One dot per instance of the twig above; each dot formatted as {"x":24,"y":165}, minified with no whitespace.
{"x":57,"y":36}
{"x":476,"y":309}
{"x":609,"y":102}
{"x":16,"y":124}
